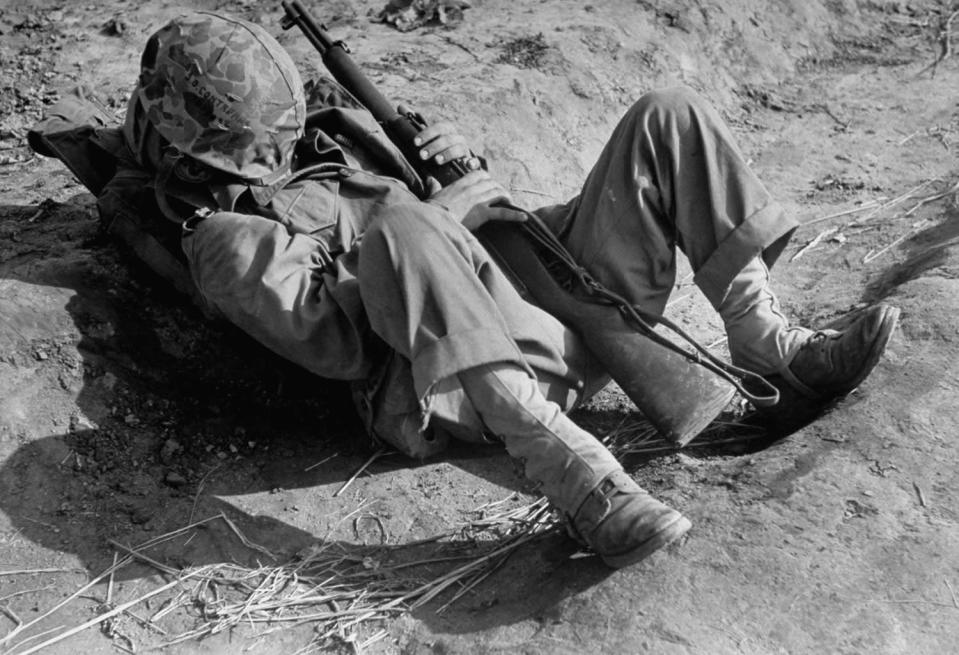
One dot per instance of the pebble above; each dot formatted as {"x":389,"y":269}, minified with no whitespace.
{"x":141,"y":515}
{"x":174,"y":479}
{"x":169,"y":450}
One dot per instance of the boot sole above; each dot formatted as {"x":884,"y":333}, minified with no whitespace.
{"x":667,"y":535}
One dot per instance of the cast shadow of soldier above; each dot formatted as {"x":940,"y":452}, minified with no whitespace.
{"x":174,"y":415}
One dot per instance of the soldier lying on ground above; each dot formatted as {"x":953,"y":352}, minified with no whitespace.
{"x":288,"y":212}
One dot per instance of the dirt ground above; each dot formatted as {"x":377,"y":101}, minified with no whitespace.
{"x":125,"y":415}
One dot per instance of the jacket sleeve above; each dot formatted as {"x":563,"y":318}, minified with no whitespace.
{"x":75,"y":131}
{"x":283,"y":291}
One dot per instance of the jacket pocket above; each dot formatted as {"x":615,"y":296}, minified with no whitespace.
{"x":309,"y":207}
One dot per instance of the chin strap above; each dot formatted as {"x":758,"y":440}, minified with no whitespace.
{"x":165,"y":170}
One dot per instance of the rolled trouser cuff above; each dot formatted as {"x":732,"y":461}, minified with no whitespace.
{"x":764,"y":233}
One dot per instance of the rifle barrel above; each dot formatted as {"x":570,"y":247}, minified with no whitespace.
{"x":297,"y":15}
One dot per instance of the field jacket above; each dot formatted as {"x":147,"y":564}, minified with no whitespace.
{"x":345,"y":167}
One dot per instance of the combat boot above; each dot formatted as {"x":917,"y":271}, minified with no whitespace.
{"x":623,"y":523}
{"x":604,"y":508}
{"x":832,"y":363}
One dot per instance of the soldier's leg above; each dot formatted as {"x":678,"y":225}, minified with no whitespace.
{"x":433,"y":294}
{"x":671,"y":175}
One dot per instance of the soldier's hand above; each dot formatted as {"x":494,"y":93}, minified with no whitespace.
{"x":471,"y":199}
{"x":442,"y":143}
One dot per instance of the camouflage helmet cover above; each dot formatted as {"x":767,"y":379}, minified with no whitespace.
{"x":224,"y":92}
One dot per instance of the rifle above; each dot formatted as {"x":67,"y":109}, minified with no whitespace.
{"x":679,"y":391}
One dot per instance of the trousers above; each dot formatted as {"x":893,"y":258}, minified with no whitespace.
{"x":670,"y":178}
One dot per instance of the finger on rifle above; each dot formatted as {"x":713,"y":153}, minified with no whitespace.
{"x":483,"y":213}
{"x":505,"y":214}
{"x":444,"y":148}
{"x":433,"y":131}
{"x":474,"y":180}
{"x":490,"y":190}
{"x":456,"y":151}
{"x":433,"y":186}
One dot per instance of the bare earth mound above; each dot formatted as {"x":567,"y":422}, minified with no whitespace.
{"x":125,"y":416}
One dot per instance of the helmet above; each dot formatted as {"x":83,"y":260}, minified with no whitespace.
{"x":223,"y":92}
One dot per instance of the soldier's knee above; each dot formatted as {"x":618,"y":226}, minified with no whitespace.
{"x":676,"y":101}
{"x":399,"y":224}
{"x":406,"y":235}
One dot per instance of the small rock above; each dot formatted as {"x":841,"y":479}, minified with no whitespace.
{"x":116,"y":26}
{"x":140,"y":515}
{"x":80,"y":422}
{"x":41,"y":355}
{"x":108,"y":381}
{"x":131,"y":419}
{"x":174,"y":479}
{"x":169,"y":450}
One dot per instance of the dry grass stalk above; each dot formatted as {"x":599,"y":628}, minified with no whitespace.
{"x":145,"y":622}
{"x":815,"y":241}
{"x":375,"y":456}
{"x":873,"y":255}
{"x":944,"y":41}
{"x":246,"y":542}
{"x":103,"y":617}
{"x":110,"y":583}
{"x":871,"y":204}
{"x":30,"y":571}
{"x":919,"y":494}
{"x":10,"y":614}
{"x":24,"y":592}
{"x":199,"y":490}
{"x":952,"y":592}
{"x":321,"y":462}
{"x":39,"y":635}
